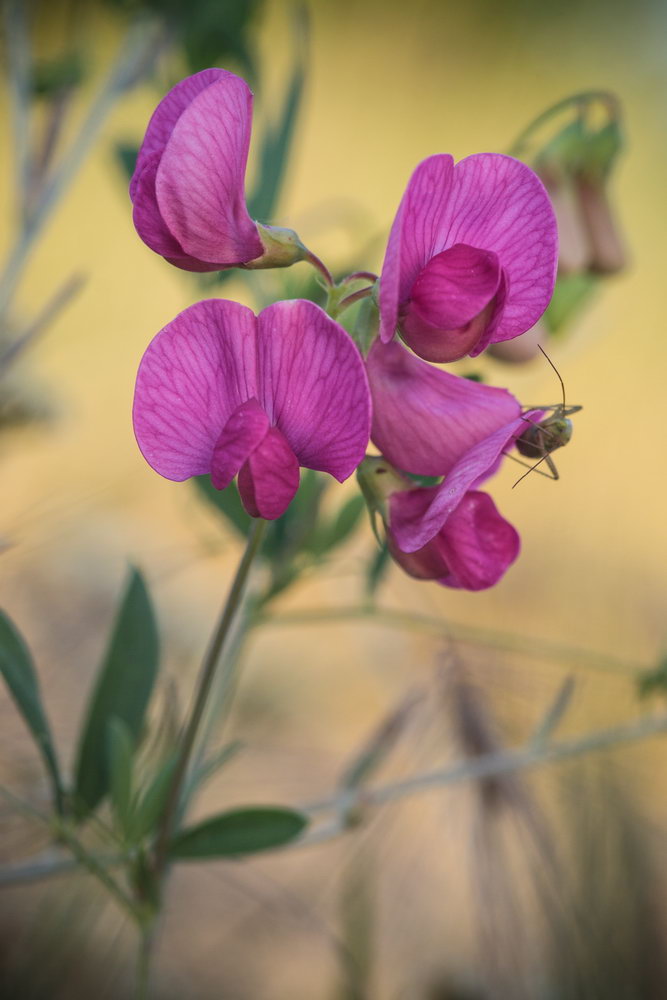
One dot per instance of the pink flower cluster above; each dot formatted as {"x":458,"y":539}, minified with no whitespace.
{"x":470,"y":261}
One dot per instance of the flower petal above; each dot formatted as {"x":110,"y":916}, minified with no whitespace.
{"x":425,"y":419}
{"x":270,"y":478}
{"x":451,"y":303}
{"x":500,"y":204}
{"x":472,"y":551}
{"x":192,"y":377}
{"x":313,"y":386}
{"x":415,"y":236}
{"x":477,"y":544}
{"x":416,"y":518}
{"x":242,"y":433}
{"x":200,"y":179}
{"x":167,"y":113}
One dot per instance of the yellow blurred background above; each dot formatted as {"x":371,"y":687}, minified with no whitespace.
{"x":387,"y":84}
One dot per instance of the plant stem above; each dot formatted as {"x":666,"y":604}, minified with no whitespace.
{"x":580,"y":99}
{"x":144,"y":961}
{"x":206,"y":677}
{"x":396,"y":618}
{"x":319,"y":265}
{"x":486,"y":766}
{"x":345,"y":303}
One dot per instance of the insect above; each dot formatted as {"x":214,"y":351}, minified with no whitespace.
{"x":540,"y":439}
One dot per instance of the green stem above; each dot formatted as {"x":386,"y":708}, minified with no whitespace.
{"x":345,"y":303}
{"x":144,"y":962}
{"x":319,"y":265}
{"x":396,"y":618}
{"x":582,"y":98}
{"x":206,"y":677}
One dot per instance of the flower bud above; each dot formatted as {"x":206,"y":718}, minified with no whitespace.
{"x":521,"y":349}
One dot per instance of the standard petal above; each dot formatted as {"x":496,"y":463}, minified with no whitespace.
{"x":200,"y":179}
{"x":477,"y":544}
{"x":151,"y":226}
{"x":425,"y":419}
{"x":243,"y":432}
{"x":416,"y":236}
{"x":417,"y":517}
{"x":192,"y":377}
{"x":269,"y":479}
{"x":167,"y":113}
{"x":313,"y":386}
{"x":500,"y":204}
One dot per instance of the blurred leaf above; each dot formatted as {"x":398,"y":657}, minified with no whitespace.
{"x":148,"y":809}
{"x":50,"y":77}
{"x":121,"y":757}
{"x":209,"y":767}
{"x":288,"y":533}
{"x":571,"y":294}
{"x":228,"y":502}
{"x":126,"y":154}
{"x":377,"y":567}
{"x":333,"y":533}
{"x":277,"y":143}
{"x":654,"y":680}
{"x":240,"y":831}
{"x":19,"y":673}
{"x":122,"y":691}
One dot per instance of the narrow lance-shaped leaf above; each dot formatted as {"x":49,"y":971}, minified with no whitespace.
{"x":122,"y":691}
{"x":240,"y":831}
{"x":336,"y":531}
{"x":121,"y":761}
{"x":19,"y":673}
{"x":277,"y":140}
{"x":227,"y":502}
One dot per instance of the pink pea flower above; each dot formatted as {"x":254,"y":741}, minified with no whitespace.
{"x":188,"y":184}
{"x":432,"y":423}
{"x":471,"y":258}
{"x":471,"y":550}
{"x":222,"y":391}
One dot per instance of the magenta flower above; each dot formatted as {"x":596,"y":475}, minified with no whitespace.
{"x":429,"y":422}
{"x":471,"y":258}
{"x":472,"y":550}
{"x":222,"y":391}
{"x":188,"y":185}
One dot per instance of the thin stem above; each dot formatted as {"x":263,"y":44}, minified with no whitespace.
{"x":582,"y":98}
{"x":97,"y":869}
{"x":48,"y":314}
{"x":319,"y":266}
{"x":396,"y":618}
{"x":485,"y":766}
{"x":18,"y":62}
{"x":206,"y":677}
{"x":359,"y":276}
{"x":137,"y":53}
{"x":47,"y":866}
{"x":349,"y":300}
{"x":144,"y":961}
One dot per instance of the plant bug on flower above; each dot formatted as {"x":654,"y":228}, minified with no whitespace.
{"x":540,"y":439}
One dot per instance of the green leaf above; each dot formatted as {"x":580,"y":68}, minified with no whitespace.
{"x":126,"y":156}
{"x":121,"y":758}
{"x":149,"y":808}
{"x":123,"y":689}
{"x":277,"y":142}
{"x":227,"y":502}
{"x":240,"y":831}
{"x":377,"y":567}
{"x":19,"y":673}
{"x":340,"y":528}
{"x":571,"y":294}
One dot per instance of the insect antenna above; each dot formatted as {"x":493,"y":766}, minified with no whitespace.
{"x":558,"y":375}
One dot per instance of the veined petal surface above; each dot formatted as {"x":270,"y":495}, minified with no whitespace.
{"x":312,"y":384}
{"x":425,"y":419}
{"x":192,"y":377}
{"x":201,"y":175}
